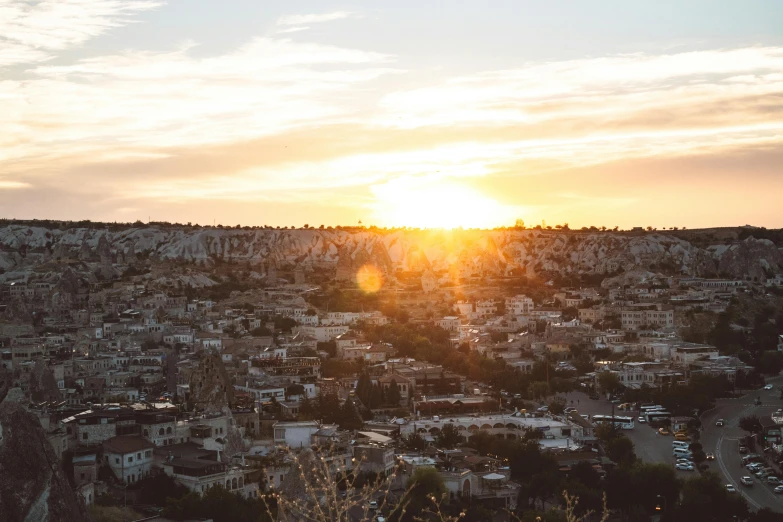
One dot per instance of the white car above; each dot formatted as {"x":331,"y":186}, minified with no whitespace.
{"x":730,"y":488}
{"x":683,"y":466}
{"x":746,"y":481}
{"x":373,"y":504}
{"x":642,"y":420}
{"x":778,"y":489}
{"x":768,"y":387}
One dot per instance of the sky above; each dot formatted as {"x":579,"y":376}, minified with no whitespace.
{"x":424,"y":114}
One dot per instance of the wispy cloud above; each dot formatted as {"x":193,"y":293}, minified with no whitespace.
{"x":34,"y":30}
{"x":10,"y":185}
{"x":315,"y":18}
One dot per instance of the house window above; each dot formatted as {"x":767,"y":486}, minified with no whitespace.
{"x":85,"y":435}
{"x":117,"y":460}
{"x":138,"y":456}
{"x":130,"y":459}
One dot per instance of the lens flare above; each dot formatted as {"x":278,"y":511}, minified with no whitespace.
{"x":369,"y":279}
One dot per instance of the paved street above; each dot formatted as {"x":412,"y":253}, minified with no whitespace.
{"x":724,"y":442}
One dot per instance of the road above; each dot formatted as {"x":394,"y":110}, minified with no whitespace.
{"x":724,"y":442}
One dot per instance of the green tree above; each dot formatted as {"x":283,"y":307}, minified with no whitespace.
{"x":609,"y":382}
{"x":449,"y":436}
{"x":364,"y":388}
{"x":750,"y":424}
{"x":393,"y":394}
{"x":376,"y":397}
{"x":349,"y":418}
{"x":620,"y":450}
{"x":770,"y":362}
{"x":424,"y":485}
{"x":705,"y":498}
{"x":414,"y":442}
{"x":557,"y":406}
{"x":218,"y":504}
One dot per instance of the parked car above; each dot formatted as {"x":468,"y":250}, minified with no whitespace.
{"x":543,"y":409}
{"x":642,"y":420}
{"x":664,"y":431}
{"x":680,"y":436}
{"x":778,"y":489}
{"x":710,"y":456}
{"x":720,"y":422}
{"x":768,"y":387}
{"x":730,"y":488}
{"x":747,"y":481}
{"x":570,"y":409}
{"x":682,"y":466}
{"x":743,"y":450}
{"x":373,"y":504}
{"x":772,"y":479}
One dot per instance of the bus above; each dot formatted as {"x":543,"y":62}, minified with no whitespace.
{"x":646,"y":408}
{"x":657,"y":416}
{"x":625,"y":423}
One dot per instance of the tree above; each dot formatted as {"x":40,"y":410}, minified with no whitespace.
{"x":349,"y":416}
{"x":698,"y":452}
{"x":414,"y":442}
{"x":156,"y":489}
{"x":750,"y":424}
{"x":705,"y":498}
{"x":425,"y":483}
{"x":218,"y":504}
{"x":557,"y":406}
{"x":364,"y":388}
{"x":771,"y":362}
{"x":620,"y":450}
{"x":376,"y":397}
{"x":609,"y":382}
{"x":449,"y":436}
{"x":393,"y":394}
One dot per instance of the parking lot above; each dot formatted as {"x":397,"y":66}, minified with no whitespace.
{"x":648,"y":445}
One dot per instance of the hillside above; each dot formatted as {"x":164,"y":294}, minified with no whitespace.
{"x":104,"y":253}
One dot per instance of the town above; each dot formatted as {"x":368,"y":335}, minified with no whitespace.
{"x":167,"y":388}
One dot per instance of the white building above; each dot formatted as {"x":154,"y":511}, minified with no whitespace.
{"x":129,"y":457}
{"x":449,"y":323}
{"x":519,"y":305}
{"x":294,"y":434}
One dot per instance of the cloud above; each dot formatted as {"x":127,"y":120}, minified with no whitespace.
{"x":10,"y":185}
{"x":139,"y":104}
{"x":34,"y":30}
{"x":315,"y":18}
{"x":292,"y":30}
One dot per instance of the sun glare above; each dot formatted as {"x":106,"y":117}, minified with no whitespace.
{"x":440,"y":205}
{"x":369,"y":279}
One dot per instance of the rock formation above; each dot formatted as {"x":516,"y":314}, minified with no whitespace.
{"x":43,"y":386}
{"x":211,"y":391}
{"x":728,"y":252}
{"x":33,"y":486}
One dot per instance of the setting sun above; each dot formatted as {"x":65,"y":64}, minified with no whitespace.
{"x":413,"y":203}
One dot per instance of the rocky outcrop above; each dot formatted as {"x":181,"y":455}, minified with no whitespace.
{"x":43,"y":386}
{"x":466,"y":253}
{"x":211,"y":391}
{"x":33,"y":486}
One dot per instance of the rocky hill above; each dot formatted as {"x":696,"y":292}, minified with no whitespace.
{"x":105,"y":253}
{"x":33,"y":486}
